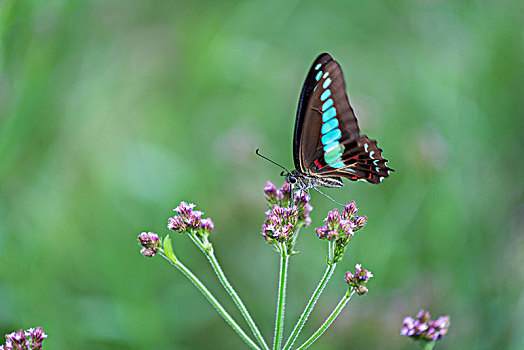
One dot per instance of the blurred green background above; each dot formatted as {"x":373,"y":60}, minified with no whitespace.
{"x":112,"y":112}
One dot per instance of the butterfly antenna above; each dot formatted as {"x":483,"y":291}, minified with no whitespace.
{"x":322,"y":193}
{"x":266,"y":158}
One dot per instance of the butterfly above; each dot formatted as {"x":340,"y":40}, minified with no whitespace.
{"x":327,"y":144}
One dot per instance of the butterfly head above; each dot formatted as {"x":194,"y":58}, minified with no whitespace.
{"x":299,"y":180}
{"x":290,"y":177}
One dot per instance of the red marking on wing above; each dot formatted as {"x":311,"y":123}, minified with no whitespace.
{"x":354,"y":178}
{"x":354,"y":157}
{"x":317,"y":163}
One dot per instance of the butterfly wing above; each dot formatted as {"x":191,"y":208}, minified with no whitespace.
{"x":362,"y":160}
{"x":327,"y":140}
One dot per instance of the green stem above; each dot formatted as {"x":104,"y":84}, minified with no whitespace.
{"x":212,"y":300}
{"x":311,"y":304}
{"x":331,"y":251}
{"x":279,"y":318}
{"x":429,"y":345}
{"x":342,"y":303}
{"x":229,"y":288}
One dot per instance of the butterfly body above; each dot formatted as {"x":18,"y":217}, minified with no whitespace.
{"x":327,"y":144}
{"x":304,"y":182}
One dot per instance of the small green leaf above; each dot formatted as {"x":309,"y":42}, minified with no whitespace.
{"x":168,"y":249}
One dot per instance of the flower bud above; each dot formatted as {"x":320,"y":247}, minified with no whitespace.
{"x":150,"y":243}
{"x":194,"y":220}
{"x":321,"y":232}
{"x":184,"y":209}
{"x":350,"y":209}
{"x":176,"y":224}
{"x":333,"y":218}
{"x":207,"y":225}
{"x":286,"y":192}
{"x":360,"y":222}
{"x":358,"y":280}
{"x":270,"y":191}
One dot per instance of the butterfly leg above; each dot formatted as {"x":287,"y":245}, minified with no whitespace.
{"x":322,"y":193}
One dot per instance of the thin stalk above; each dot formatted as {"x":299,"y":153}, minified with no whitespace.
{"x":331,"y":251}
{"x":342,"y":303}
{"x":279,"y":318}
{"x":310,"y":305}
{"x":231,"y":291}
{"x":213,"y":301}
{"x":429,"y":345}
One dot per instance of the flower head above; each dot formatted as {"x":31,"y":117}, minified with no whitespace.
{"x":24,"y":340}
{"x":281,"y":197}
{"x":423,"y":328}
{"x":280,"y":224}
{"x":359,"y":279}
{"x":189,"y":220}
{"x":340,"y":226}
{"x":150,"y":243}
{"x":184,"y":209}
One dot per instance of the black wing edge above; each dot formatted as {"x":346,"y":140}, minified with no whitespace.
{"x":307,"y":89}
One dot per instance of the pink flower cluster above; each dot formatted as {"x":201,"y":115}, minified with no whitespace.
{"x":24,"y":340}
{"x":150,"y":243}
{"x":189,"y":220}
{"x":359,"y":279}
{"x":341,"y":226}
{"x":423,"y":328}
{"x":280,"y":224}
{"x":281,"y":197}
